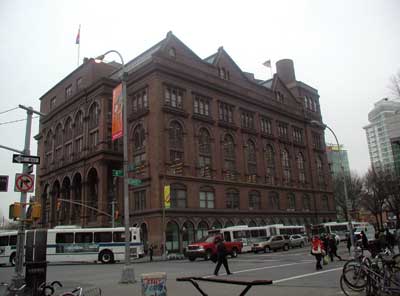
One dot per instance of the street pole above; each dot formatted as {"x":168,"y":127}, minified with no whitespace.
{"x":346,"y":198}
{"x":18,"y":278}
{"x":128,"y":274}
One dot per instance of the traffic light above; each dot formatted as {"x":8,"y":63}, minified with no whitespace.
{"x":36,"y":210}
{"x":15,"y":211}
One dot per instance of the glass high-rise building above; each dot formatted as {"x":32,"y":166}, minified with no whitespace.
{"x":384,"y":125}
{"x":336,"y":155}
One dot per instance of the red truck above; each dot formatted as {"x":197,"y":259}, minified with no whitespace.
{"x":207,"y":247}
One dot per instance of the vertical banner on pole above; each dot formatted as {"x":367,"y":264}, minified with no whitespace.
{"x":167,"y":196}
{"x":117,"y":126}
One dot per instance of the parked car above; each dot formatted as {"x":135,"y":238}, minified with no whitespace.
{"x":272,"y":243}
{"x":206,"y":247}
{"x":296,"y":240}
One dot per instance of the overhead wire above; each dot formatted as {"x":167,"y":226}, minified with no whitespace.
{"x":9,"y":110}
{"x":14,"y":121}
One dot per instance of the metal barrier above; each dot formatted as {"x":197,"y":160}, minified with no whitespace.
{"x":248,"y":284}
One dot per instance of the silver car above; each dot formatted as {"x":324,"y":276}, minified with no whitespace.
{"x":296,"y":240}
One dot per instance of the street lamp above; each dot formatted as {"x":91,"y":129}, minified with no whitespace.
{"x":346,"y":199}
{"x":128,"y":274}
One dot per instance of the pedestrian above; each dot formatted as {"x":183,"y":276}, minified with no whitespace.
{"x":317,"y":250}
{"x":382,"y":240}
{"x":151,"y":252}
{"x":364,"y":241}
{"x":325,"y":241}
{"x":221,"y":256}
{"x":332,"y":247}
{"x":398,"y":237}
{"x":348,"y":240}
{"x":389,"y":240}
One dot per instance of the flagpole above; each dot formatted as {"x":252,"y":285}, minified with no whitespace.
{"x":78,"y":41}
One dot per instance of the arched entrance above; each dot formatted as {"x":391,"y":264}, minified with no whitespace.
{"x":76,"y":197}
{"x":55,"y":204}
{"x":187,"y":234}
{"x":65,"y":209}
{"x":92,"y":195}
{"x":172,"y":237}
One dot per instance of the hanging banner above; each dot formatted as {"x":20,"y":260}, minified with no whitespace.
{"x":167,"y":196}
{"x":116,"y":128}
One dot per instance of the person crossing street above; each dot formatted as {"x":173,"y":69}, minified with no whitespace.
{"x":221,"y":257}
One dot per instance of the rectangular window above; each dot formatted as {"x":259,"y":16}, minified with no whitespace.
{"x":317,"y":141}
{"x":225,"y":112}
{"x":266,"y":126}
{"x":173,"y":97}
{"x":13,"y":240}
{"x":140,"y":200}
{"x":53,"y":103}
{"x":68,"y":91}
{"x":247,"y":119}
{"x":79,"y":145}
{"x":83,"y":237}
{"x":64,"y":238}
{"x":206,"y":199}
{"x":201,"y":105}
{"x":4,"y":241}
{"x":119,"y":236}
{"x":79,"y":83}
{"x":140,"y":101}
{"x":298,"y":135}
{"x":283,"y":130}
{"x":102,"y":237}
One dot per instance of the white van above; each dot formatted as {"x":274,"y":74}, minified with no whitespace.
{"x":368,"y":229}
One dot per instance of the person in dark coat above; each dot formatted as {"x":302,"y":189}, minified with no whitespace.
{"x":151,"y":252}
{"x":221,"y":257}
{"x":332,"y":247}
{"x":348,"y":239}
{"x":364,"y":240}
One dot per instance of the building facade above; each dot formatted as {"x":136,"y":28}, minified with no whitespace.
{"x":233,"y":149}
{"x":384,"y":125}
{"x":337,"y":156}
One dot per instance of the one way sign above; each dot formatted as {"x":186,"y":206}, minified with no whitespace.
{"x":20,"y":158}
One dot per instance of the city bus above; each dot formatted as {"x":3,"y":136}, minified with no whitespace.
{"x":8,"y":243}
{"x":338,"y":228}
{"x":246,"y":234}
{"x":74,"y":244}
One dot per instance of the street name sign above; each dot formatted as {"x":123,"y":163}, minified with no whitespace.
{"x":24,"y":183}
{"x":20,"y":158}
{"x":117,"y":173}
{"x":134,"y":182}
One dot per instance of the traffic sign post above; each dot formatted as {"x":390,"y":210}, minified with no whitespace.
{"x":30,"y":159}
{"x":24,"y":183}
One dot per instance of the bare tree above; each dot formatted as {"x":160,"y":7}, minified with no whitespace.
{"x":354,"y":193}
{"x":395,"y":85}
{"x":374,"y":196}
{"x":392,"y":185}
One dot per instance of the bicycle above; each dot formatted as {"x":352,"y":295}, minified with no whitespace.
{"x":12,"y":290}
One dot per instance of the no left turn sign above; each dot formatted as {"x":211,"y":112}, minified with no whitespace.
{"x":24,"y":183}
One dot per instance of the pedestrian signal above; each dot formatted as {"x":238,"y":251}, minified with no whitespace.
{"x":15,"y":211}
{"x":36,"y":210}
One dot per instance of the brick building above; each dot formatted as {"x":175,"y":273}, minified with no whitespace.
{"x":234,"y":149}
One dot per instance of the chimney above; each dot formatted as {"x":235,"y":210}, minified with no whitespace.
{"x":285,"y":70}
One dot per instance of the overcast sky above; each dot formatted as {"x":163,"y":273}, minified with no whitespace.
{"x":346,"y":49}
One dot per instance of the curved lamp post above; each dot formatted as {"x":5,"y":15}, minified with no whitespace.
{"x":128,"y":274}
{"x":346,"y":199}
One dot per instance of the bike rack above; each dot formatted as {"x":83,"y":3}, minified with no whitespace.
{"x":248,"y":284}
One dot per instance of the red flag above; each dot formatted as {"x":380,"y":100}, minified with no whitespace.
{"x":78,"y":36}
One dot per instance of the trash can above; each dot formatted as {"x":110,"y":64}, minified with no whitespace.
{"x":154,"y":284}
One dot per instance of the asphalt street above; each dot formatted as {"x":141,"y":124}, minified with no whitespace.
{"x":293,"y":273}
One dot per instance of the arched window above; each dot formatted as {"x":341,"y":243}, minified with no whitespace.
{"x":269,"y":158}
{"x":252,"y":224}
{"x":254,"y":200}
{"x":139,"y":142}
{"x":320,"y":171}
{"x":325,"y":202}
{"x":178,"y":196}
{"x":286,"y":167}
{"x":229,"y":223}
{"x":94,"y":113}
{"x":188,"y":234}
{"x":204,"y":153}
{"x":58,"y":141}
{"x":291,"y":201}
{"x":172,"y":237}
{"x":216,"y":225}
{"x":301,"y":168}
{"x":232,"y":199}
{"x":175,"y":142}
{"x":229,"y":157}
{"x":68,"y":133}
{"x":306,"y":202}
{"x":274,"y":200}
{"x":251,"y":158}
{"x":78,"y":133}
{"x":206,"y":198}
{"x":202,"y":230}
{"x":48,"y":148}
